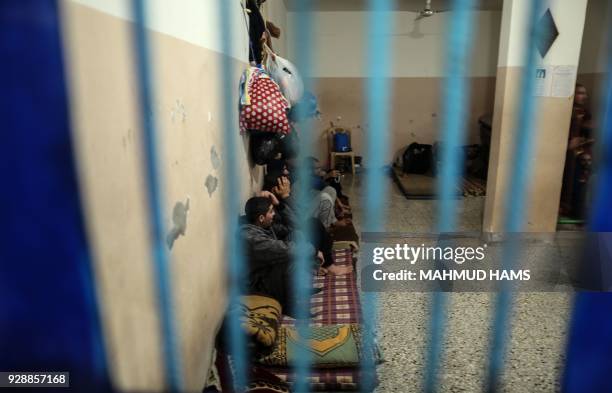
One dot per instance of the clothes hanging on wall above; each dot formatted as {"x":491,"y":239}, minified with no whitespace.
{"x":257,"y":27}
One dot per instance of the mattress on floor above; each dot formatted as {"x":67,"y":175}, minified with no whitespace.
{"x":416,"y":186}
{"x":338,"y":303}
{"x":413,"y":184}
{"x":346,"y":233}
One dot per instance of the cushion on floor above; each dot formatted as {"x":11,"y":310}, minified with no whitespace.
{"x":328,"y":346}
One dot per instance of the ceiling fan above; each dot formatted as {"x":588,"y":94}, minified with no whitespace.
{"x":427,"y":11}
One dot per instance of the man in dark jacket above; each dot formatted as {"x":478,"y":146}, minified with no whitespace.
{"x":277,"y":186}
{"x":270,"y":260}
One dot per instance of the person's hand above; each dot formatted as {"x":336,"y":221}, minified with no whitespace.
{"x":283,"y":189}
{"x":344,"y":207}
{"x":575,"y":142}
{"x":272,"y":197}
{"x":342,"y":223}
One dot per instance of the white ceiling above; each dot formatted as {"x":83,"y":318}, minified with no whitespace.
{"x":400,"y":5}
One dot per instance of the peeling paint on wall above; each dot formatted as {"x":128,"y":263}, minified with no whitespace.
{"x":178,"y":111}
{"x":179,"y":221}
{"x":214,"y":158}
{"x":211,"y":184}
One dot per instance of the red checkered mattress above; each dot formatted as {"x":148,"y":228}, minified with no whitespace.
{"x":338,"y":303}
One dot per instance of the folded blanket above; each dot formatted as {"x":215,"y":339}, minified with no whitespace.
{"x":328,"y":346}
{"x":260,"y":320}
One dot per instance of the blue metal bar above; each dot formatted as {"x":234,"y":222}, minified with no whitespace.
{"x":456,"y":93}
{"x":378,"y":101}
{"x":163,"y":280}
{"x":515,"y":205}
{"x":234,"y":248}
{"x":600,"y":219}
{"x":588,"y":367}
{"x":302,"y":273}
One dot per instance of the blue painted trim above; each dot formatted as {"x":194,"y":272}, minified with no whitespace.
{"x":49,"y":315}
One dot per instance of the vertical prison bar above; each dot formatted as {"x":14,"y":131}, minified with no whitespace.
{"x":302,"y":33}
{"x":378,"y":61}
{"x":232,"y":191}
{"x":515,"y":205}
{"x":456,"y":93}
{"x":154,"y":181}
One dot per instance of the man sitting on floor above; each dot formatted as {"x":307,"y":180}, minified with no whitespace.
{"x":322,"y":179}
{"x":270,"y":260}
{"x":277,"y":186}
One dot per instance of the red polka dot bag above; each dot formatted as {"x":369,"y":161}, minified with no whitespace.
{"x":263,"y":107}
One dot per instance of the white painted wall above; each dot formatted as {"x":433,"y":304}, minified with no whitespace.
{"x":341,"y":45}
{"x":569,"y":16}
{"x":195,"y":21}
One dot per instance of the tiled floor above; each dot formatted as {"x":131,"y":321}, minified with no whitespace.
{"x":539,"y":324}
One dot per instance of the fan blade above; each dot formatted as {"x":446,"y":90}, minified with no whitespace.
{"x":419,"y":17}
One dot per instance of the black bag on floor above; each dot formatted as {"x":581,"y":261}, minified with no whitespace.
{"x":417,"y":158}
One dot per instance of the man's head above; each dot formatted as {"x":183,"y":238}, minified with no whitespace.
{"x":278,"y":165}
{"x":271,"y":180}
{"x":259,"y":211}
{"x":315,"y":166}
{"x":580,"y":95}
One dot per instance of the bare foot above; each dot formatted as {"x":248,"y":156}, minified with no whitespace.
{"x":339,"y":270}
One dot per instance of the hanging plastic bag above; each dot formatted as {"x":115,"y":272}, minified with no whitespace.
{"x":285,"y":74}
{"x":263,"y":107}
{"x":305,"y":109}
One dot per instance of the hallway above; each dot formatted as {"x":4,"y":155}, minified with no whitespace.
{"x":536,"y":348}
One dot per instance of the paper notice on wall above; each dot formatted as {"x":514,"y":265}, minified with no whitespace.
{"x":563,"y":81}
{"x":543,"y":79}
{"x":555,"y":81}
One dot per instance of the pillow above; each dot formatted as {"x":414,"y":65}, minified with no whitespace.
{"x":329,"y":346}
{"x":260,"y":318}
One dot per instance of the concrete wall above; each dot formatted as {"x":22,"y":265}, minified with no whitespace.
{"x":186,"y":57}
{"x":551,"y":120}
{"x":341,"y":68}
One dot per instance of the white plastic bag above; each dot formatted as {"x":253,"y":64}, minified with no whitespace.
{"x":286,"y":75}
